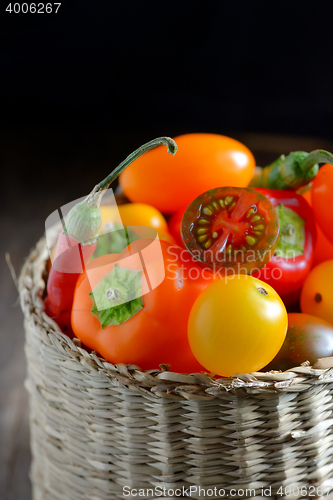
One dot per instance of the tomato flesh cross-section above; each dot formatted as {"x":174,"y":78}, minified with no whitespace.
{"x":230,"y":229}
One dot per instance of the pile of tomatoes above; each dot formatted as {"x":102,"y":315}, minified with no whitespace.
{"x":205,"y":315}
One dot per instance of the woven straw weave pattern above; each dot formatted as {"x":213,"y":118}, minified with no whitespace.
{"x":97,"y":427}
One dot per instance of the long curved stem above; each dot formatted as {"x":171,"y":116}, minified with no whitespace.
{"x":316,"y":156}
{"x":94,"y":198}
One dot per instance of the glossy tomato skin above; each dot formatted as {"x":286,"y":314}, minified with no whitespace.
{"x":237,"y":325}
{"x":203,"y":161}
{"x":317,"y":292}
{"x":158,"y":332}
{"x":322,"y":195}
{"x":288,"y":275}
{"x":308,"y":339}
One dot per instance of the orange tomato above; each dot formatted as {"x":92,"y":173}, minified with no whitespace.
{"x":155,"y":334}
{"x":322,"y":195}
{"x":202,"y":162}
{"x":317,"y":292}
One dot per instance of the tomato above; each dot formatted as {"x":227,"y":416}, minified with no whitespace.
{"x":308,"y":339}
{"x":233,"y":229}
{"x":322,"y":195}
{"x":323,"y":248}
{"x":292,"y":260}
{"x":203,"y":161}
{"x":133,"y":214}
{"x":157,"y":332}
{"x":317,"y":292}
{"x":174,"y":224}
{"x":237,"y":325}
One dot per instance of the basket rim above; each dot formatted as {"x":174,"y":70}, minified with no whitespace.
{"x":156,"y":382}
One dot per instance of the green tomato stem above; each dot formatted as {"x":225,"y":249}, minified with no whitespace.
{"x":292,"y":171}
{"x":316,"y":156}
{"x":94,"y":198}
{"x":84,"y":219}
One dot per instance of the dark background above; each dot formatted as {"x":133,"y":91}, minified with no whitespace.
{"x":82,"y":89}
{"x":173,"y":66}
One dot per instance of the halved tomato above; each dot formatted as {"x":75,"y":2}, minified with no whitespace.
{"x":230,"y":229}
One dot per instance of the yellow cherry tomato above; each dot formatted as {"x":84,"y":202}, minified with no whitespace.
{"x":237,"y":325}
{"x":134,"y":214}
{"x":317,"y":292}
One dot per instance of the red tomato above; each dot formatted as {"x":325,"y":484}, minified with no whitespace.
{"x":322,"y":195}
{"x":174,"y":226}
{"x":155,"y":334}
{"x":323,"y":247}
{"x":231,"y":229}
{"x":202,"y":161}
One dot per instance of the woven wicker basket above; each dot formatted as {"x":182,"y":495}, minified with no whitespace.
{"x":97,"y":428}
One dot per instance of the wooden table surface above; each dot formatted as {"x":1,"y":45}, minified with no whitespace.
{"x":42,"y":170}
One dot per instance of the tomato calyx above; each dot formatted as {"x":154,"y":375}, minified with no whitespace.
{"x":226,"y":227}
{"x":292,"y":233}
{"x":118,"y":296}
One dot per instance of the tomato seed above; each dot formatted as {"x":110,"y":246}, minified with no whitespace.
{"x":250,"y":240}
{"x":207,"y":211}
{"x":202,"y":238}
{"x":255,"y":218}
{"x":228,"y":199}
